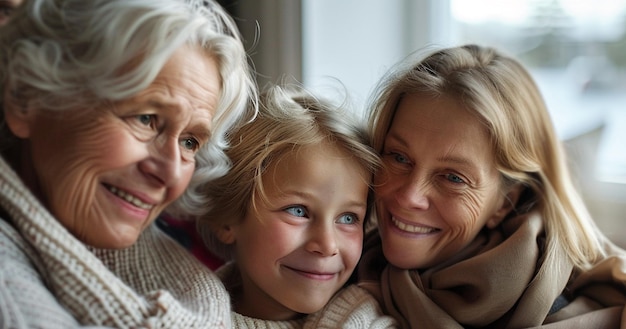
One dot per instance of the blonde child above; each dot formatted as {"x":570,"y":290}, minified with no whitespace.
{"x":290,"y":215}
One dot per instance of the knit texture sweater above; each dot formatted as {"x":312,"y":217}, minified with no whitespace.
{"x":501,"y":281}
{"x":352,"y":307}
{"x":49,"y":279}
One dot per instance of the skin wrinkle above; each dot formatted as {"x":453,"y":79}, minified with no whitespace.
{"x":419,"y":190}
{"x":475,"y":190}
{"x":114,"y":145}
{"x":76,"y":163}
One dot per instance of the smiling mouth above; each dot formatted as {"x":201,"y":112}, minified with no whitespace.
{"x":129,"y":198}
{"x":313,"y":275}
{"x":412,"y":228}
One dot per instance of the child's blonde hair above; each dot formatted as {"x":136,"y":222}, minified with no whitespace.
{"x":289,"y":119}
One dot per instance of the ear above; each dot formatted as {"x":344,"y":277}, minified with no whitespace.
{"x":226,"y":234}
{"x":17,"y":114}
{"x":507,"y":204}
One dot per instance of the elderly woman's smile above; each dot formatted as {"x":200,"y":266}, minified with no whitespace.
{"x":113,"y":113}
{"x":111,"y":170}
{"x":130,"y":198}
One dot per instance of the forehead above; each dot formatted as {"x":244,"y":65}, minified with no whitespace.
{"x":186,"y":90}
{"x":313,"y":164}
{"x":438,"y":115}
{"x":191,"y":76}
{"x":441,"y":126}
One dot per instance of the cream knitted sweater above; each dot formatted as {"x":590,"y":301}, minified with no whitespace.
{"x":49,"y":279}
{"x":351,"y":308}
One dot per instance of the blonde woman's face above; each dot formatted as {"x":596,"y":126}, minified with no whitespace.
{"x":439,"y":186}
{"x":303,"y":244}
{"x":106,"y":173}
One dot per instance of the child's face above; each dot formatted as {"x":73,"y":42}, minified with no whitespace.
{"x":301,"y":246}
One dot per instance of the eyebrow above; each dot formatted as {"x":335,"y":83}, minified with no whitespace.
{"x":446,"y":158}
{"x":457,"y":160}
{"x":394,"y":136}
{"x":200,"y":131}
{"x":162,"y":105}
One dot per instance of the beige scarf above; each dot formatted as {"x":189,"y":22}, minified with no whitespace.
{"x":500,"y":281}
{"x":155,"y":283}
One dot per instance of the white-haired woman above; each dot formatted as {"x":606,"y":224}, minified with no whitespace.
{"x":110,"y":110}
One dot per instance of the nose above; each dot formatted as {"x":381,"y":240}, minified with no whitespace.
{"x":322,"y":239}
{"x":412,"y":193}
{"x":164,"y":161}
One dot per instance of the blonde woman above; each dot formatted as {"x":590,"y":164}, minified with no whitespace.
{"x":479,"y":224}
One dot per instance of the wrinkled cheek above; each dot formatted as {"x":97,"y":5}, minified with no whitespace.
{"x":74,"y":206}
{"x":473,"y":211}
{"x":461,"y":233}
{"x":460,"y":236}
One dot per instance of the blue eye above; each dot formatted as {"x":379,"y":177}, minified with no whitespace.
{"x":190,"y":144}
{"x":298,"y":211}
{"x":454,"y":178}
{"x":348,"y":219}
{"x":396,"y":157}
{"x":146,"y":119}
{"x":400,"y":158}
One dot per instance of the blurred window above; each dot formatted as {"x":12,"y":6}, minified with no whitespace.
{"x":576,"y":50}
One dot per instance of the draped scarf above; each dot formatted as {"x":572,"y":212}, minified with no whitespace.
{"x":500,"y":281}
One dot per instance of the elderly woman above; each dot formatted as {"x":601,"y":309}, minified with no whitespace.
{"x":479,"y":223}
{"x":109,"y":109}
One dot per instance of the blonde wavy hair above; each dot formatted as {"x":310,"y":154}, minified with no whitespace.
{"x":503,"y":95}
{"x":288,"y":119}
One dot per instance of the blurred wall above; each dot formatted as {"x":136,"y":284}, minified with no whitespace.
{"x":272,"y":33}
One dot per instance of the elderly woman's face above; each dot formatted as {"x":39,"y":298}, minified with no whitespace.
{"x":440,"y":186}
{"x":106,"y":173}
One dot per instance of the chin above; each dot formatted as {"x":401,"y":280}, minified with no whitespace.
{"x":403,"y":265}
{"x":313,"y":305}
{"x":396,"y":259}
{"x":116,"y":242}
